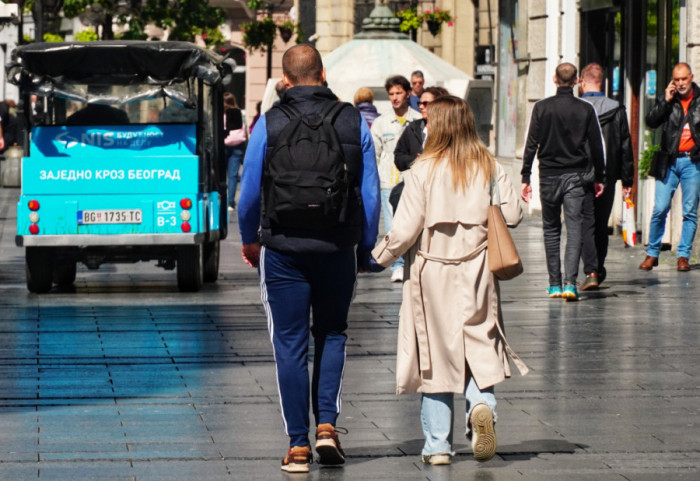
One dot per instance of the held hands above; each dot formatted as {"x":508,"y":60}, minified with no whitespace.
{"x":250,"y":253}
{"x":366,"y":263}
{"x":626,"y":191}
{"x":526,"y":192}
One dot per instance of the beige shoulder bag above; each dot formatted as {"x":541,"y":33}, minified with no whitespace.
{"x":504,"y":260}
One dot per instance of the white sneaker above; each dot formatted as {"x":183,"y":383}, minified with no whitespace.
{"x":397,"y":275}
{"x":483,"y":433}
{"x":230,"y":209}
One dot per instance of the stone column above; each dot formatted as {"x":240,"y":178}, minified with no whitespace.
{"x":334,"y":24}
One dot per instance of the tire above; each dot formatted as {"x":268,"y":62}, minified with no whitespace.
{"x":39,"y":269}
{"x":64,"y":273}
{"x":211,"y":261}
{"x":190,"y":268}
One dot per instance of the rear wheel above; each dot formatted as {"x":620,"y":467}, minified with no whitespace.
{"x":211,"y":261}
{"x":39,"y":269}
{"x":190,"y":268}
{"x":64,"y":273}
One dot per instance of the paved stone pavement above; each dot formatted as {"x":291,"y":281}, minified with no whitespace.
{"x":125,"y":378}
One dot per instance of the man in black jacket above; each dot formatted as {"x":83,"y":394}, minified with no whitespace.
{"x":619,"y":165}
{"x":677,"y":162}
{"x":563,"y":133}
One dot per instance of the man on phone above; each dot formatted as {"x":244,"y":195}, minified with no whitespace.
{"x":676,"y":162}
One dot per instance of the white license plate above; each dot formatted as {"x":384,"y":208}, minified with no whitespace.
{"x":110,"y":216}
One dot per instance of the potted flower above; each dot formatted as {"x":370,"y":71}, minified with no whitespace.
{"x":410,"y":20}
{"x":287,"y":29}
{"x":435,"y":19}
{"x":259,"y":34}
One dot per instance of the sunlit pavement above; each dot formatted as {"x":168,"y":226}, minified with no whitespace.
{"x":125,"y":378}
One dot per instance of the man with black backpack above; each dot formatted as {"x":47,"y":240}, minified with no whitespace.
{"x":308,"y":214}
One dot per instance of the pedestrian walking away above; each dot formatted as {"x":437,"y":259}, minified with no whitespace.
{"x":565,"y":135}
{"x":308,"y":239}
{"x":235,"y":143}
{"x":386,"y":131}
{"x":364,"y":101}
{"x":676,"y":162}
{"x":619,"y":165}
{"x":451,"y":334}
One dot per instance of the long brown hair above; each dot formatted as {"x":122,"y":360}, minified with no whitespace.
{"x":452,"y":138}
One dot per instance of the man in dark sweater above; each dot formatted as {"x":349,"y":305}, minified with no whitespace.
{"x":565,"y":135}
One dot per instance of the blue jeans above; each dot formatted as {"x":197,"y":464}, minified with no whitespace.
{"x":388,"y":213}
{"x":437,"y":415}
{"x":234,"y":165}
{"x":686,"y":173}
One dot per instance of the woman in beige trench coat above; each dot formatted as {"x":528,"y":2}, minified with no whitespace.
{"x":451,"y":337}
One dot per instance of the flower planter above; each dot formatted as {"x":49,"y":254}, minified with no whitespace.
{"x":434,"y":27}
{"x":285,"y":33}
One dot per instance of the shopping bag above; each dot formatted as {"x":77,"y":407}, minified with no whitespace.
{"x":629,"y":228}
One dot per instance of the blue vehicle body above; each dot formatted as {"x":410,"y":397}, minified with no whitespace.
{"x":147,"y":187}
{"x":146,"y":169}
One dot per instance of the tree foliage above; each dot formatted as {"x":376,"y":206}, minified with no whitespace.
{"x":185,"y":18}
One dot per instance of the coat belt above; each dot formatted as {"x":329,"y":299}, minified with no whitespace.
{"x":419,"y":309}
{"x":417,"y":299}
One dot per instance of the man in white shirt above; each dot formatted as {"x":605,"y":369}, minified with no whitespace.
{"x":386,"y":130}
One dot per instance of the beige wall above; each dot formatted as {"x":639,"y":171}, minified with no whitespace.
{"x":334,"y":23}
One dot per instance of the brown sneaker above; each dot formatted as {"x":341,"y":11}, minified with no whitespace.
{"x":591,"y":282}
{"x":328,"y":446}
{"x":649,"y":263}
{"x":683,"y":264}
{"x":483,"y":433}
{"x":297,"y":460}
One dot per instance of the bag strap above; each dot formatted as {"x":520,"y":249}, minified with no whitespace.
{"x":332,"y":109}
{"x":289,"y":110}
{"x":494,"y":188}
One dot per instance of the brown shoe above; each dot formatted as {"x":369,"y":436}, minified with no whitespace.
{"x":683,"y":264}
{"x":328,"y":446}
{"x":297,"y":460}
{"x":591,"y":282}
{"x":649,"y":263}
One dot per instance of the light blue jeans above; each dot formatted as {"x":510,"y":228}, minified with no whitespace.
{"x":388,"y":213}
{"x":437,"y":416}
{"x":687,"y":174}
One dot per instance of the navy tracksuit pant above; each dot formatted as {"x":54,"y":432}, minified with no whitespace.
{"x":292,"y":286}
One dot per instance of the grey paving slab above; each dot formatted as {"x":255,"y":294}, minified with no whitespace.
{"x":124,"y":378}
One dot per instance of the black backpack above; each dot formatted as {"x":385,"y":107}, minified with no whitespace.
{"x":306,"y":183}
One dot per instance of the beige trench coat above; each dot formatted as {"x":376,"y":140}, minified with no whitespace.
{"x":450,"y":323}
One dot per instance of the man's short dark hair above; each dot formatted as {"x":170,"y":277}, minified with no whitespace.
{"x":566,"y":74}
{"x":417,"y":73}
{"x":398,"y":80}
{"x":302,"y":65}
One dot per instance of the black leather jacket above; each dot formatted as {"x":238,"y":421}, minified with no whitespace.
{"x":410,"y":144}
{"x":671,"y":116}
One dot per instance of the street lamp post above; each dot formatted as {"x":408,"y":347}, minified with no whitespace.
{"x":270,"y":7}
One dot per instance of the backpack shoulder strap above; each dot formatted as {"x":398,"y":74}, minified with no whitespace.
{"x":332,"y":109}
{"x":288,"y":110}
